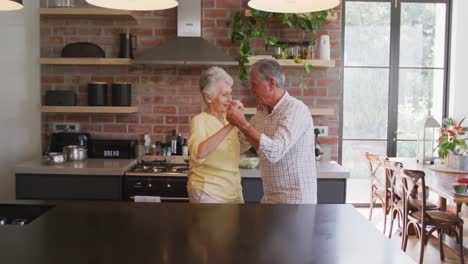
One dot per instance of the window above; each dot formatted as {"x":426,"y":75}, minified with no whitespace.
{"x":394,"y":72}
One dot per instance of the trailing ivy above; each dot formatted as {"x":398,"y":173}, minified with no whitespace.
{"x":247,"y":28}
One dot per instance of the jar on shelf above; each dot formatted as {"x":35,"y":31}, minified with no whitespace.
{"x":60,"y":3}
{"x":308,"y":50}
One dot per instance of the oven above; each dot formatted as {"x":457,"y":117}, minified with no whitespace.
{"x":167,"y":181}
{"x":170,"y":189}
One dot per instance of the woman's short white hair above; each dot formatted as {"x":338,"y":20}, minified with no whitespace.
{"x":209,"y":79}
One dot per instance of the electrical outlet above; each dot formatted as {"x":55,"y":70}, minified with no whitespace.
{"x":66,"y":127}
{"x":323,"y":131}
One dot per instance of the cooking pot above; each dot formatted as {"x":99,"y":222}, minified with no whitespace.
{"x":55,"y":157}
{"x":75,"y":152}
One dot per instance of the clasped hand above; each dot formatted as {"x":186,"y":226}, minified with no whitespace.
{"x":235,"y":114}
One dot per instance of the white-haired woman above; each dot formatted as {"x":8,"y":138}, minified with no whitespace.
{"x":214,"y":144}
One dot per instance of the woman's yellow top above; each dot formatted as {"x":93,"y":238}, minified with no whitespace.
{"x":218,"y":173}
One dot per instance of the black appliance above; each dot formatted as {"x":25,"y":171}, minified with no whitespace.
{"x":157,"y":178}
{"x":83,"y":49}
{"x":126,"y":45}
{"x":113,"y":149}
{"x":121,"y":94}
{"x":60,"y":98}
{"x":318,"y":149}
{"x":97,"y":94}
{"x":62,"y":139}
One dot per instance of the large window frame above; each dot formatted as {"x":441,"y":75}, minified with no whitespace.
{"x":394,"y":67}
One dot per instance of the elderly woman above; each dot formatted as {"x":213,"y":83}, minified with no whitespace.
{"x":214,"y":145}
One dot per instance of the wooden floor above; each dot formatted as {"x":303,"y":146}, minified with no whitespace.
{"x":431,"y":255}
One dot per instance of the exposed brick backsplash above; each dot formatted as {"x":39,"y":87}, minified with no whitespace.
{"x":168,"y":96}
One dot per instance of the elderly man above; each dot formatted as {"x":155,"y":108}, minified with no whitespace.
{"x":282,"y":132}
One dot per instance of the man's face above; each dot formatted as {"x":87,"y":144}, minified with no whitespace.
{"x":259,"y":87}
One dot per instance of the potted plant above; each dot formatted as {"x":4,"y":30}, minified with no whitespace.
{"x":253,"y":26}
{"x":452,"y":141}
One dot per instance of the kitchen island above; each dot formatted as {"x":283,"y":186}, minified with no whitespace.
{"x":117,"y":233}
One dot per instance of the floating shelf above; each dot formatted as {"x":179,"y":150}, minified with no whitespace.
{"x":85,"y":61}
{"x":86,"y":12}
{"x":292,"y":63}
{"x":90,"y":109}
{"x":313,"y":111}
{"x":332,"y":16}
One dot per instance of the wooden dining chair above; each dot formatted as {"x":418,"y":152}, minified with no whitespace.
{"x":378,"y":185}
{"x":396,"y":194}
{"x":425,"y":221}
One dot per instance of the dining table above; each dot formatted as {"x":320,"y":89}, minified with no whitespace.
{"x":439,"y":181}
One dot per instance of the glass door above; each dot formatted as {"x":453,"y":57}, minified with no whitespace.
{"x":394,"y":72}
{"x":421,"y":71}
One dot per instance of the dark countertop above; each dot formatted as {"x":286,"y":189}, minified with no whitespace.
{"x":114,"y":233}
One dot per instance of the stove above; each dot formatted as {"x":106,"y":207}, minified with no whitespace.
{"x":157,"y":178}
{"x":158,"y":168}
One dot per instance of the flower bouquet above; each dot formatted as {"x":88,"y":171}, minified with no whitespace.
{"x":452,"y":143}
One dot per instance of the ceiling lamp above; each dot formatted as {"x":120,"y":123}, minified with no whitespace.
{"x":137,"y":5}
{"x":293,"y":6}
{"x":7,"y":5}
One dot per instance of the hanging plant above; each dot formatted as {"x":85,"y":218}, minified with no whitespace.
{"x":246,"y":28}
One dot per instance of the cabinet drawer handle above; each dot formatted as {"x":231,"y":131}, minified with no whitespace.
{"x":168,"y":185}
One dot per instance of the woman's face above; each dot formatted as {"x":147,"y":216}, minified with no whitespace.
{"x":222,"y":100}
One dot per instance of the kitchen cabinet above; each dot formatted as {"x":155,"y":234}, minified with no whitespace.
{"x":329,"y":191}
{"x":68,"y":187}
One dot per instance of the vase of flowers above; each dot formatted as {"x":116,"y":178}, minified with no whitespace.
{"x":452,"y":141}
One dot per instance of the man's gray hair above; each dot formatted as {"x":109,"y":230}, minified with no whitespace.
{"x":210,"y":77}
{"x":269,"y":69}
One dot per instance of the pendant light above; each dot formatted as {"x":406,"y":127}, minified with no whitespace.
{"x":293,"y":6}
{"x":137,"y":5}
{"x":7,"y":5}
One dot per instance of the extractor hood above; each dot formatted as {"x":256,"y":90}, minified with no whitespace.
{"x":188,"y":48}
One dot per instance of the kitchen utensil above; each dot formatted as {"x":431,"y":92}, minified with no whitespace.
{"x":75,"y":152}
{"x":55,"y":157}
{"x":121,"y":94}
{"x":62,"y":139}
{"x":83,"y":49}
{"x":126,"y":45}
{"x":97,"y":94}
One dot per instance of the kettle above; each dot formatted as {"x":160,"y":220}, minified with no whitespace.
{"x":318,"y":149}
{"x":126,"y":45}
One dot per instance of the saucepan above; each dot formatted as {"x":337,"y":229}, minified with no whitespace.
{"x":75,"y":152}
{"x":55,"y":157}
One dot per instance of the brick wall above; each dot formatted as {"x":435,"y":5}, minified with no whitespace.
{"x":168,"y":96}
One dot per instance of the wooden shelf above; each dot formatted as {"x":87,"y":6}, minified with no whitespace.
{"x":90,"y":109}
{"x":292,"y":63}
{"x":86,"y":12}
{"x":85,"y":61}
{"x":313,"y":111}
{"x":332,"y":16}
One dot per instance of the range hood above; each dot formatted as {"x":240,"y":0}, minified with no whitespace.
{"x":188,"y":48}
